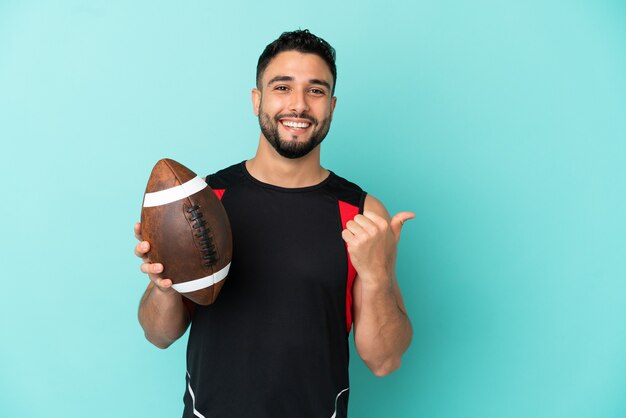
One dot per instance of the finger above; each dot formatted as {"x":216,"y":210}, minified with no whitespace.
{"x":138,"y":231}
{"x":347,"y":236}
{"x":142,"y":248}
{"x":151,"y":268}
{"x":373,"y":216}
{"x":378,"y":221}
{"x":162,"y":283}
{"x":354,"y":227}
{"x":398,"y":220}
{"x":368,"y":223}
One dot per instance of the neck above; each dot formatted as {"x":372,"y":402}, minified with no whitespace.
{"x":270,"y":167}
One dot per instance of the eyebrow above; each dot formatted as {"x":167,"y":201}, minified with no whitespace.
{"x":279,"y":78}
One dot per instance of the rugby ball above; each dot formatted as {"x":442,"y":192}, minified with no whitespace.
{"x":188,"y":231}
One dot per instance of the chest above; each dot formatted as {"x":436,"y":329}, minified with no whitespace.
{"x":287,"y":239}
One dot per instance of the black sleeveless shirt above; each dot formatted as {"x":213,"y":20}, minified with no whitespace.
{"x":275,"y":342}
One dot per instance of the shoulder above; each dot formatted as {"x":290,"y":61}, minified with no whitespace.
{"x":338,"y":181}
{"x":346,"y":191}
{"x":226,"y":177}
{"x":372,"y":204}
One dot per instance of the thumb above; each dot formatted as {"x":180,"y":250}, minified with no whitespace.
{"x":398,"y":220}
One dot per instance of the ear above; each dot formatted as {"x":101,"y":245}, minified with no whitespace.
{"x":333,"y":103}
{"x":256,"y":100}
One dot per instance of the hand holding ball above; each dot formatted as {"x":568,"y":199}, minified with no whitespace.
{"x":188,"y":231}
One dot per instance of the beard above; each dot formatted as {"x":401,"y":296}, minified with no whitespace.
{"x":294,"y":148}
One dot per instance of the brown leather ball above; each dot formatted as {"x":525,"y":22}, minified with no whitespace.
{"x":188,"y":231}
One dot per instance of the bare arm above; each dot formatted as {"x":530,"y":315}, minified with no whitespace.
{"x":382,"y":329}
{"x":164,"y":314}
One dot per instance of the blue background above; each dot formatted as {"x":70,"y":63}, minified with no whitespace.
{"x":502,"y":125}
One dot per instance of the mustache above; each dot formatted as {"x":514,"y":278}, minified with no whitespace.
{"x":303,"y":115}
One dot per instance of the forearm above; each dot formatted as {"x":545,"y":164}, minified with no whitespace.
{"x":163,"y":316}
{"x":383,"y":330}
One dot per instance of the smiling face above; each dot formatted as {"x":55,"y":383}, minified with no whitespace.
{"x":294,"y":103}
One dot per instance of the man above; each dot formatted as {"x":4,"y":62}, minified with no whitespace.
{"x":275,"y":342}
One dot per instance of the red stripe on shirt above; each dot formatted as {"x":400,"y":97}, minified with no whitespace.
{"x":219,"y":193}
{"x":347,"y":213}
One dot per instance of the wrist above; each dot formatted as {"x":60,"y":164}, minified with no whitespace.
{"x":376,"y":282}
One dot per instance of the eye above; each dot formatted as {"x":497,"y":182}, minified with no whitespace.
{"x":281,"y":88}
{"x":317,"y":92}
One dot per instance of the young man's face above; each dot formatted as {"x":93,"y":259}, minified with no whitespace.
{"x":295,"y":103}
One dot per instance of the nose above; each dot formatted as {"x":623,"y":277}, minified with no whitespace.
{"x":299,"y":102}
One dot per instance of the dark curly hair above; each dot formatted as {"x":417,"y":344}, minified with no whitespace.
{"x":301,"y":41}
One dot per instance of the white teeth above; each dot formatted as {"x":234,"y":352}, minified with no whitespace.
{"x":296,"y":124}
